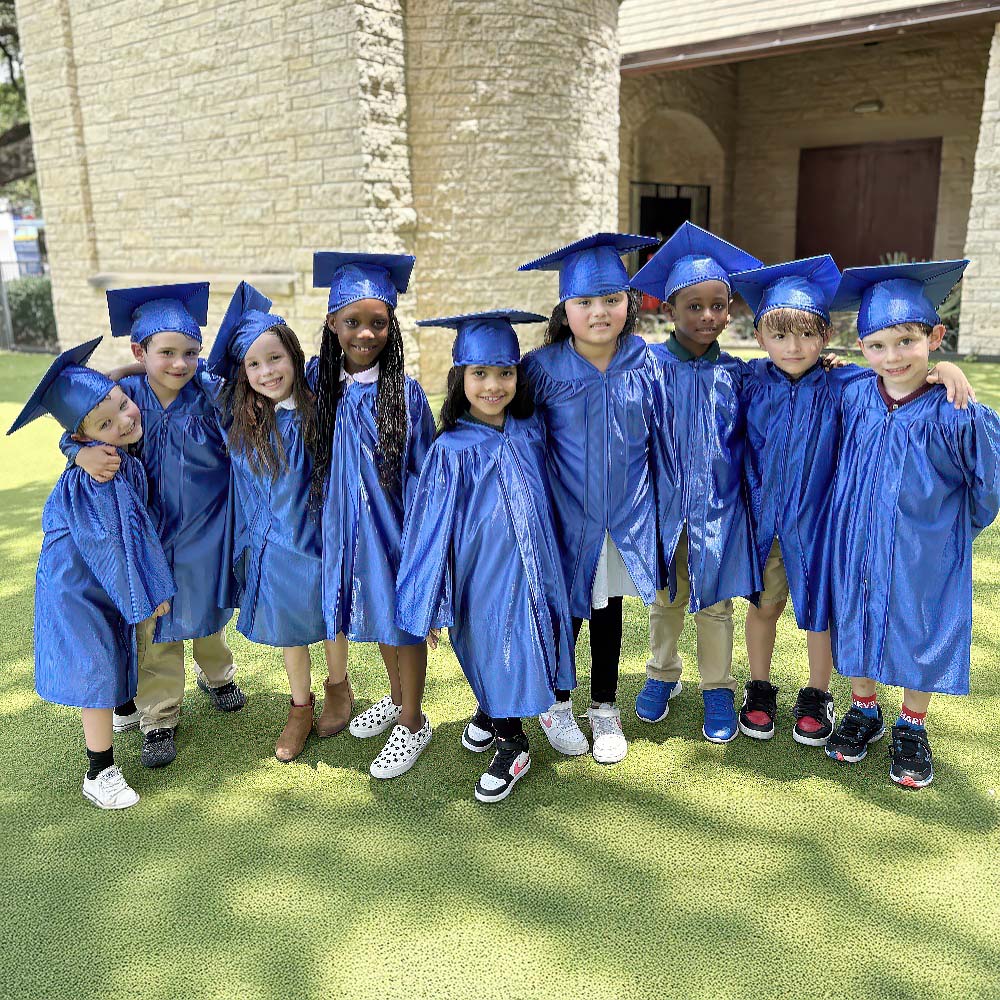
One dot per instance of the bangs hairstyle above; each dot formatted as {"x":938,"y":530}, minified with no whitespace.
{"x":558,"y":328}
{"x":914,"y":329}
{"x":251,"y":424}
{"x":390,"y":409}
{"x":794,"y":323}
{"x":456,"y":402}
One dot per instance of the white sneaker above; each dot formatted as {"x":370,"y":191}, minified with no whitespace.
{"x":606,"y":728}
{"x":562,"y":731}
{"x":125,"y":723}
{"x":401,"y":751}
{"x":109,"y":790}
{"x":377,"y":719}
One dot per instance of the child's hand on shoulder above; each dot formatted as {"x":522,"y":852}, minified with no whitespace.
{"x":161,"y":609}
{"x":960,"y":391}
{"x":101,"y":462}
{"x":831,"y":360}
{"x":433,"y":638}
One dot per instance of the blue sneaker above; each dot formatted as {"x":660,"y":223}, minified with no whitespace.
{"x":720,"y":715}
{"x":652,"y":703}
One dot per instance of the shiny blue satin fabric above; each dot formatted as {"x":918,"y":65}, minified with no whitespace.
{"x":914,"y":486}
{"x":480,"y":557}
{"x":703,"y":431}
{"x":599,"y":430}
{"x":792,"y":443}
{"x":362,"y":524}
{"x":184,"y":453}
{"x":278,"y":546}
{"x":100,"y":572}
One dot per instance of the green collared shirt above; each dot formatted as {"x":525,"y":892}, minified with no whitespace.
{"x":679,"y":351}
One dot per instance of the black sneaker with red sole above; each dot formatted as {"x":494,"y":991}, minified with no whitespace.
{"x":848,"y":743}
{"x":814,"y":717}
{"x":912,"y":763}
{"x":760,"y":706}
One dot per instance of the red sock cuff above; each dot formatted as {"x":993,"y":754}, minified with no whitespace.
{"x":908,"y":715}
{"x":865,"y":702}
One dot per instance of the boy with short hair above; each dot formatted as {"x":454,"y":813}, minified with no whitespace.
{"x":185,"y":457}
{"x":704,"y":525}
{"x":917,"y":480}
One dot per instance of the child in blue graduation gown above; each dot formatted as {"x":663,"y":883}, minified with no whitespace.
{"x":592,"y":383}
{"x":705,"y":533}
{"x":479,"y":550}
{"x":916,"y":482}
{"x":792,"y":406}
{"x":184,"y":454}
{"x":101,"y":570}
{"x":269,"y":413}
{"x":373,"y":429}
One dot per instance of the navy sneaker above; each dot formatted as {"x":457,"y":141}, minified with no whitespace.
{"x":653,"y":702}
{"x":158,"y":748}
{"x":814,"y":717}
{"x":720,"y":715}
{"x":760,"y":706}
{"x":912,"y":763}
{"x":478,"y":734}
{"x":225,"y":698}
{"x":848,"y":743}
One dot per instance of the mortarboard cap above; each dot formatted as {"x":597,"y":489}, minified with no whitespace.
{"x":591,"y":266}
{"x":67,"y":390}
{"x":247,"y":317}
{"x":690,"y":256}
{"x":808,"y":285}
{"x":485,"y":338}
{"x":355,"y":276}
{"x":897,"y":293}
{"x":141,"y":312}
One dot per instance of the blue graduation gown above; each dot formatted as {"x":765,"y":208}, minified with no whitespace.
{"x":100,"y":572}
{"x":914,"y":486}
{"x":703,"y":428}
{"x":599,"y":431}
{"x":184,"y":453}
{"x":480,"y":557}
{"x":792,"y":442}
{"x":278,"y":546}
{"x":362,"y":523}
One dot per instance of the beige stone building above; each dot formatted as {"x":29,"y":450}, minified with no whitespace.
{"x":206,"y":140}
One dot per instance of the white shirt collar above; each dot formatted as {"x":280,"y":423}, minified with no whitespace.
{"x":286,"y":404}
{"x":365,"y":377}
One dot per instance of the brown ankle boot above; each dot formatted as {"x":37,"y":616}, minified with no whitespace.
{"x":293,"y":737}
{"x":338,"y":704}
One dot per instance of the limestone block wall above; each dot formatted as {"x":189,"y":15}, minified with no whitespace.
{"x":930,"y":85}
{"x":205,"y":141}
{"x":514,"y":149}
{"x":979,"y":327}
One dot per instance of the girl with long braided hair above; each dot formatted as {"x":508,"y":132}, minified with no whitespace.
{"x":373,"y":428}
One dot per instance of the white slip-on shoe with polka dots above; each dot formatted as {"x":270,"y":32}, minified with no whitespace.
{"x":376,"y":719}
{"x":401,"y":751}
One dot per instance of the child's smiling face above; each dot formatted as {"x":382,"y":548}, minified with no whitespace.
{"x":899,"y":354}
{"x":170,"y":360}
{"x":269,"y":367}
{"x":489,"y":389}
{"x":362,"y":328}
{"x":699,"y":313}
{"x":115,"y":420}
{"x":793,"y":353}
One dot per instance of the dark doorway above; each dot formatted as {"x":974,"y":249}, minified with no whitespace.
{"x":862,"y":203}
{"x":661,"y":216}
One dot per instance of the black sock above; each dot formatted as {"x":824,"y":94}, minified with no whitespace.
{"x":508,"y":729}
{"x":127,"y":709}
{"x":99,"y":760}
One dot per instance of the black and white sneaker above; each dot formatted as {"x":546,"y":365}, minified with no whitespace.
{"x":159,"y":748}
{"x":848,"y":743}
{"x":127,"y":719}
{"x":814,"y":717}
{"x":510,"y":762}
{"x":478,"y":734}
{"x":225,"y":698}
{"x":912,"y":762}
{"x":760,"y":706}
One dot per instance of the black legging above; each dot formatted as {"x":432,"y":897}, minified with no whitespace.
{"x":605,"y":651}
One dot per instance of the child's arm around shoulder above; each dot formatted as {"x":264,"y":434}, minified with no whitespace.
{"x":979,"y":441}
{"x":948,"y":374}
{"x":100,"y":461}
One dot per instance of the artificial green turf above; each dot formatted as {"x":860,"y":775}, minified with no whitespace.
{"x":754,"y":870}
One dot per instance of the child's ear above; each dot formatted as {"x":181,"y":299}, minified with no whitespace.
{"x":668,"y":311}
{"x":935,"y":337}
{"x":760,"y":338}
{"x":138,"y":353}
{"x":79,"y":438}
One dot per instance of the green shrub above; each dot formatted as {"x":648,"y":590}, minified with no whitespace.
{"x":31,"y":314}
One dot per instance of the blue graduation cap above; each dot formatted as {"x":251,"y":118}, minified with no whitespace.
{"x":897,"y":293}
{"x":141,"y":312}
{"x":246,"y":318}
{"x":485,"y":338}
{"x":809,"y":285}
{"x":67,"y":390}
{"x":354,"y":276}
{"x":591,"y":266}
{"x":690,"y":256}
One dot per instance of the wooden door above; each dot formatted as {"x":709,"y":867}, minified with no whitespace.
{"x":862,"y":202}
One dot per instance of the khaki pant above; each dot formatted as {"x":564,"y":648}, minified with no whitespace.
{"x":715,"y":633}
{"x":161,"y":673}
